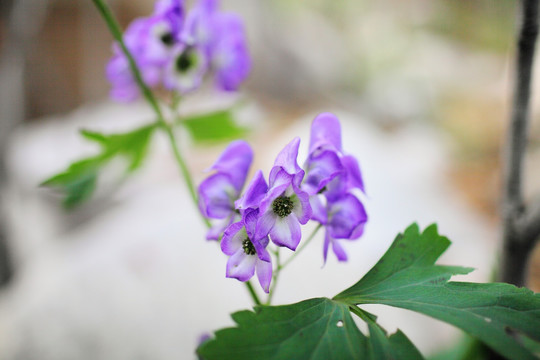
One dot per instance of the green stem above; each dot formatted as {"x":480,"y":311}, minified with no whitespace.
{"x":280,"y":267}
{"x":116,"y":32}
{"x":301,"y":248}
{"x":252,"y":292}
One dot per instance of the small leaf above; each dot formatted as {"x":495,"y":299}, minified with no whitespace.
{"x":213,"y":127}
{"x":133,"y":144}
{"x":78,"y":181}
{"x":406,"y":277}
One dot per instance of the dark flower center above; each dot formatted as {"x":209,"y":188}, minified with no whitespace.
{"x":248,"y":247}
{"x":322,"y":190}
{"x":282,"y":206}
{"x":185,"y":61}
{"x":167,"y":39}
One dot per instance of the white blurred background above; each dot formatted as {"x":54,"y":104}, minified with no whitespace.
{"x":422,"y":88}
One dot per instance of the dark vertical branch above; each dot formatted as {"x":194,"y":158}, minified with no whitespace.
{"x":516,"y":247}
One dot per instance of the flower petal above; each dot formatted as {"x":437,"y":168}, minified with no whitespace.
{"x":302,"y":207}
{"x":235,"y":161}
{"x":286,"y":232}
{"x":325,"y":132}
{"x":233,"y":237}
{"x":216,"y":196}
{"x":322,"y":167}
{"x":264,"y":273}
{"x":241,"y":266}
{"x":347,"y":214}
{"x":353,"y":172}
{"x":265,"y":223}
{"x":254,"y":193}
{"x":318,"y":208}
{"x":286,"y":159}
{"x":216,"y":231}
{"x":339,"y":251}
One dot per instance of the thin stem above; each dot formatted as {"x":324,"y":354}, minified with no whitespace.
{"x":516,"y":247}
{"x":252,"y":292}
{"x":301,"y":248}
{"x":115,"y":30}
{"x":280,"y":267}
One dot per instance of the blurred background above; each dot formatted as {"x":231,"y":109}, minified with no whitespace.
{"x":422,"y":87}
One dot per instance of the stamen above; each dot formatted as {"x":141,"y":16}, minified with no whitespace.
{"x":248,"y":247}
{"x":282,"y":206}
{"x":167,"y":39}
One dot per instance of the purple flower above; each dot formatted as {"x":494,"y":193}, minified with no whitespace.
{"x":331,"y":179}
{"x":285,"y":206}
{"x":177,"y":50}
{"x":247,"y":253}
{"x":230,"y":56}
{"x":219,"y":191}
{"x":222,"y":38}
{"x":345,"y":219}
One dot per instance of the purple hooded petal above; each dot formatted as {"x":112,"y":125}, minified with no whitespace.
{"x":264,"y":273}
{"x":235,"y":161}
{"x":318,"y":209}
{"x":286,"y":159}
{"x":347,"y":214}
{"x":216,"y":196}
{"x":322,"y":167}
{"x":286,"y":232}
{"x":325,"y":132}
{"x":232,"y":238}
{"x":254,"y":193}
{"x":241,"y":266}
{"x":302,"y":208}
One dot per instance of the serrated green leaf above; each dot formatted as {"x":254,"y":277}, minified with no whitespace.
{"x":406,"y":277}
{"x":312,"y":329}
{"x":78,"y":181}
{"x":213,"y":127}
{"x":318,"y":329}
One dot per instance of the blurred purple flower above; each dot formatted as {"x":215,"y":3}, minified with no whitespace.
{"x":345,"y":219}
{"x":247,"y":253}
{"x":331,"y":179}
{"x":219,"y":191}
{"x":177,"y":50}
{"x":285,"y":206}
{"x":221,"y":37}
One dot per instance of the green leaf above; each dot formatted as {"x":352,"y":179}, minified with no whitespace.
{"x":213,"y":127}
{"x":406,"y":277}
{"x":78,"y":181}
{"x":317,"y":329}
{"x":312,"y":329}
{"x":133,"y":145}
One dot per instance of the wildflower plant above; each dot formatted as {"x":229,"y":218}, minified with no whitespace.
{"x":176,"y":49}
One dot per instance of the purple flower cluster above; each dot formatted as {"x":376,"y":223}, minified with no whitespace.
{"x":325,"y":190}
{"x":175,"y":50}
